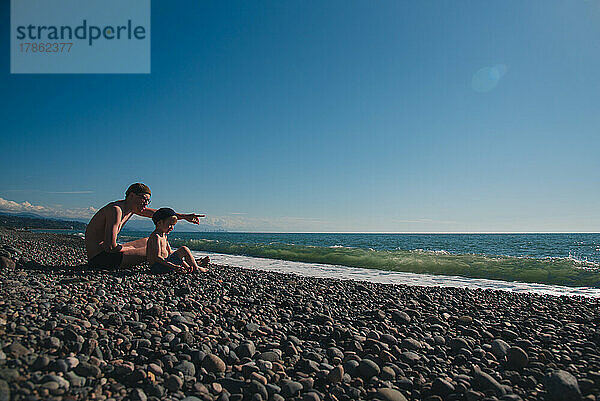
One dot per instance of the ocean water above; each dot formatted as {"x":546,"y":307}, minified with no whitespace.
{"x":566,"y":264}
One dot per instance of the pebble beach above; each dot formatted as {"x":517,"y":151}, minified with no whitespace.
{"x":68,"y":333}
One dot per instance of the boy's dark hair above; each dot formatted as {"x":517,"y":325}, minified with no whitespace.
{"x":138,"y":188}
{"x":163,"y":213}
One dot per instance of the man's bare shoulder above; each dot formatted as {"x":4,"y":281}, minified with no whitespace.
{"x":110,"y":211}
{"x":112,"y":208}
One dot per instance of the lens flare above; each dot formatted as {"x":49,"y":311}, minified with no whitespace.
{"x":487,"y":78}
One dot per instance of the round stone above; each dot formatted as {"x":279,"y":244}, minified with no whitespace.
{"x":516,"y":358}
{"x":500,"y":348}
{"x":367,"y":369}
{"x":174,"y":383}
{"x":442,"y":387}
{"x":245,"y":349}
{"x":335,"y":375}
{"x":186,"y":368}
{"x":213,"y":364}
{"x":389,"y":394}
{"x":456,"y":344}
{"x":562,"y":386}
{"x":291,"y":388}
{"x":85,"y":369}
{"x":270,"y":356}
{"x":387,"y":373}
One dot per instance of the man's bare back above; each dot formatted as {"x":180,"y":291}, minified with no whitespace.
{"x":95,"y":238}
{"x":102,"y":231}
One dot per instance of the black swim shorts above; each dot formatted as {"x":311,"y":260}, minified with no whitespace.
{"x":106,"y":260}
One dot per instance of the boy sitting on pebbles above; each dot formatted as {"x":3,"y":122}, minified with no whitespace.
{"x":158,"y":251}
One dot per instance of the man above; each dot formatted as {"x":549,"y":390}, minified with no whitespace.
{"x":101,"y":233}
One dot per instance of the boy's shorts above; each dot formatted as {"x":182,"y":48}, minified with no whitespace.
{"x":106,"y":260}
{"x":158,"y":268}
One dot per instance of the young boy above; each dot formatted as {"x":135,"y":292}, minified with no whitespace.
{"x":158,"y":251}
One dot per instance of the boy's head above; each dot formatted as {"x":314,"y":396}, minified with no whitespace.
{"x":139,"y":194}
{"x":164,"y":219}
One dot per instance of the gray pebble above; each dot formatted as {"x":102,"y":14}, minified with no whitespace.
{"x":562,"y":386}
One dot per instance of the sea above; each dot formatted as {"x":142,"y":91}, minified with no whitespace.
{"x":554,"y":264}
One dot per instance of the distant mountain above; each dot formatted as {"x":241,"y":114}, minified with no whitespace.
{"x":39,"y":216}
{"x":139,"y":225}
{"x":24,"y":214}
{"x":33,"y":221}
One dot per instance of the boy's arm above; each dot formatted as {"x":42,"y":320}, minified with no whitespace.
{"x":111,"y":230}
{"x":152,"y":249}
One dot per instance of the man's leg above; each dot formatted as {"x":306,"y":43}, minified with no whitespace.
{"x":139,"y":244}
{"x":134,"y":252}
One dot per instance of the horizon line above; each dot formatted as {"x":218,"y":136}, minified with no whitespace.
{"x":396,"y":232}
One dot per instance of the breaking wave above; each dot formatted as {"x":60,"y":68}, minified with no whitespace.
{"x":567,"y":271}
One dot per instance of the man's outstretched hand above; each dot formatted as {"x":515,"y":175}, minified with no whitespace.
{"x":193,"y":218}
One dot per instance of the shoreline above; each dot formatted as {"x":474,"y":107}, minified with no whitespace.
{"x":233,"y":333}
{"x":571,"y":274}
{"x":318,"y":270}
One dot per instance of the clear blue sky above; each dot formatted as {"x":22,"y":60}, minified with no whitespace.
{"x":327,"y":116}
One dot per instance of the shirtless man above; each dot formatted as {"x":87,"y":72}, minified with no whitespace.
{"x":101,"y":233}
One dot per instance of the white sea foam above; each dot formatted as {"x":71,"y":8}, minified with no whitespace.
{"x":390,"y":277}
{"x":433,"y":252}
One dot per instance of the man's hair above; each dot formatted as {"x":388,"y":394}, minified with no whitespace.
{"x":138,"y":188}
{"x":163,"y":213}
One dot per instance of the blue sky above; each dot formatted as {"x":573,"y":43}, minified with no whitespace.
{"x":328,"y":116}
